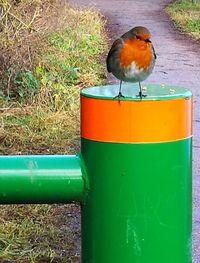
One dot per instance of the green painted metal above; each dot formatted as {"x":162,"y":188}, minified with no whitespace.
{"x":131,"y":90}
{"x":41,"y":179}
{"x":138,"y":207}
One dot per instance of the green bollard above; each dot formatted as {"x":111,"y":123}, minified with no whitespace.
{"x":133,"y":177}
{"x":138,"y":159}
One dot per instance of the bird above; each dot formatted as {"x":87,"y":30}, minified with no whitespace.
{"x":132,"y":58}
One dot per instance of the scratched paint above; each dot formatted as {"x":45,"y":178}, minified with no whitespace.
{"x":138,"y":207}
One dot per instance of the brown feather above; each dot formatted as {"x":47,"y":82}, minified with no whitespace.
{"x":115,"y":48}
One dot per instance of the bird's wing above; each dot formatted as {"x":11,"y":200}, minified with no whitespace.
{"x":154,"y":53}
{"x":118,"y":43}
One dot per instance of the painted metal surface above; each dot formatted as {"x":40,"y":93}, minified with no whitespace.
{"x":138,"y":208}
{"x":130,"y":91}
{"x":135,"y":191}
{"x":40,"y":179}
{"x":136,"y":122}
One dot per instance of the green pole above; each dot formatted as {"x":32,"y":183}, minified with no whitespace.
{"x":133,"y":177}
{"x":138,"y":207}
{"x":41,"y":179}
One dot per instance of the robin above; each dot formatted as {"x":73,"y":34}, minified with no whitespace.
{"x":132,"y":57}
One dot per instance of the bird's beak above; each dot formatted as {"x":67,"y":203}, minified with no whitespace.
{"x":148,"y":40}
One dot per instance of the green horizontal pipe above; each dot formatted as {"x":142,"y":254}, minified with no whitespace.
{"x":41,"y":179}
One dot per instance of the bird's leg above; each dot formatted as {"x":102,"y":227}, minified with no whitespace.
{"x":120,"y":91}
{"x":140,"y":92}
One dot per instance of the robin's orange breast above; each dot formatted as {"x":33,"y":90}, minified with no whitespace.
{"x":138,"y":51}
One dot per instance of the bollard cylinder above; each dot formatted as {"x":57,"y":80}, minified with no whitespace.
{"x":138,"y":157}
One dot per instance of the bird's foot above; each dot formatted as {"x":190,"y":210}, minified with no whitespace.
{"x":120,"y":95}
{"x":141,"y":95}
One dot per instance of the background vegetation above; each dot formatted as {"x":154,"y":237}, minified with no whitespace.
{"x":48,"y":52}
{"x":186,"y":16}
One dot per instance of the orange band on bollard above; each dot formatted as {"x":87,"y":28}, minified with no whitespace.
{"x":128,"y":121}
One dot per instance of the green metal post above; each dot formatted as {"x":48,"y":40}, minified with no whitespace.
{"x":136,"y":188}
{"x":138,"y":207}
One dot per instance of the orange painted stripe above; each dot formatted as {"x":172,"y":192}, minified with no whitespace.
{"x":136,"y":121}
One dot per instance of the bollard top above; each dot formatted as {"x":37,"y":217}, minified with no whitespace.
{"x":131,"y":90}
{"x":164,"y":115}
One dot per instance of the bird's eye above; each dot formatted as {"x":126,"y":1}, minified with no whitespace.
{"x":137,"y":37}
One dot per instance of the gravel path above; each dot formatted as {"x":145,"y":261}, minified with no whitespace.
{"x":178,"y":63}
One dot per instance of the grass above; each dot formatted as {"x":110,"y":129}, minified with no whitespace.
{"x":37,"y":233}
{"x":47,"y":55}
{"x":186,"y":16}
{"x":39,"y":99}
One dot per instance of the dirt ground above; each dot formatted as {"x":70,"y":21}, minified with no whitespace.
{"x":178,"y":63}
